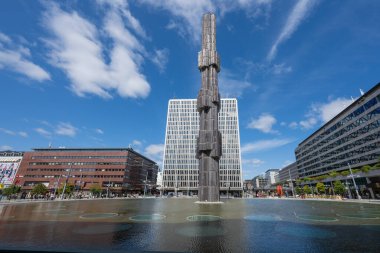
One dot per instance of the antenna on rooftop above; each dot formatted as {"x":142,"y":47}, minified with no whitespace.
{"x":361,"y":92}
{"x":49,"y":144}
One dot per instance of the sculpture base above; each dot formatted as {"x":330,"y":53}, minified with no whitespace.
{"x":209,"y":202}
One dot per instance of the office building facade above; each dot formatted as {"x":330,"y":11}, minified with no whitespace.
{"x":289,"y":172}
{"x":271,"y":176}
{"x":180,"y":166}
{"x":116,"y":169}
{"x":259,"y":182}
{"x":351,"y":137}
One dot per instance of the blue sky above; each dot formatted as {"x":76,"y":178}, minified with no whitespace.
{"x":100,"y":74}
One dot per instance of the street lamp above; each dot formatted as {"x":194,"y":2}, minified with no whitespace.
{"x":80,"y":182}
{"x":108,"y":187}
{"x":145,"y":181}
{"x":228,"y":188}
{"x":352,"y":176}
{"x":56,"y":185}
{"x":291,"y":181}
{"x":67,"y":179}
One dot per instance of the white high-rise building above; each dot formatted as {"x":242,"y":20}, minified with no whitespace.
{"x":180,"y":166}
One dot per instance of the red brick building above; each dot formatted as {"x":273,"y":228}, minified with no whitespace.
{"x":118,"y":169}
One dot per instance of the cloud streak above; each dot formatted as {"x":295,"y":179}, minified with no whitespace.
{"x":299,"y":12}
{"x":264,"y":145}
{"x":17,"y":58}
{"x":187,"y":15}
{"x":66,"y":129}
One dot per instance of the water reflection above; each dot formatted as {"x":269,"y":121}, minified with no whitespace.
{"x":182,"y":225}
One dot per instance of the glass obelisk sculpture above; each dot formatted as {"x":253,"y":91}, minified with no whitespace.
{"x":209,"y":142}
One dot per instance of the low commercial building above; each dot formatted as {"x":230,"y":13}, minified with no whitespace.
{"x":248,"y":186}
{"x":287,"y":173}
{"x":271,"y":176}
{"x":118,"y":170}
{"x":349,"y":140}
{"x":259,"y":182}
{"x":9,"y":165}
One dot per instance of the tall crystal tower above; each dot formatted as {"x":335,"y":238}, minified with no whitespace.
{"x":209,"y":142}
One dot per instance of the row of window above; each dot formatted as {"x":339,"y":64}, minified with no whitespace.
{"x":74,"y":170}
{"x":76,"y":176}
{"x":370,"y":117}
{"x":359,"y":133}
{"x":342,"y":122}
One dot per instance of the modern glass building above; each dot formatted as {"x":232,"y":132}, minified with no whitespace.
{"x":180,"y":166}
{"x":351,"y":137}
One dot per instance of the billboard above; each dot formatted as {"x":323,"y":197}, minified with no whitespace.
{"x":8,"y":172}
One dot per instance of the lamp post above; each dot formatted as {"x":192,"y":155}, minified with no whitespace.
{"x":56,"y":185}
{"x":67,"y":179}
{"x":228,"y":188}
{"x":145,"y":181}
{"x":80,"y":182}
{"x":108,"y":186}
{"x":291,"y":181}
{"x":352,"y":176}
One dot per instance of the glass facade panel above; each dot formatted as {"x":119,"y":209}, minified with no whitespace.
{"x":180,"y":167}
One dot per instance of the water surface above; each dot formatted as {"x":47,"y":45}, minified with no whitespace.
{"x":180,"y":225}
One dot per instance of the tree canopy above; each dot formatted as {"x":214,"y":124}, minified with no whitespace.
{"x":39,"y":189}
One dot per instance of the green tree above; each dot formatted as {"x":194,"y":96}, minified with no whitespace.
{"x":339,"y":188}
{"x":39,"y":189}
{"x":365,"y":168}
{"x":95,"y":190}
{"x":298,"y":190}
{"x":345,"y":173}
{"x":321,"y":188}
{"x":69,"y":189}
{"x":333,"y":174}
{"x":12,"y":189}
{"x":306,"y":189}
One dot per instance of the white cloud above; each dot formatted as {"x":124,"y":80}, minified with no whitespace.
{"x":99,"y":131}
{"x":23,"y":134}
{"x":76,"y":48}
{"x":331,"y":109}
{"x":161,"y":58}
{"x":4,"y":38}
{"x":264,"y":123}
{"x":264,"y":145}
{"x":7,"y":131}
{"x":293,"y":125}
{"x":155,"y":152}
{"x":299,"y":12}
{"x":123,"y":8}
{"x":308,"y":123}
{"x":282,"y":68}
{"x":187,"y":15}
{"x":252,"y":162}
{"x":5,"y":148}
{"x":230,"y":85}
{"x":66,"y":129}
{"x":136,"y":143}
{"x":15,"y":57}
{"x":321,"y":113}
{"x":43,"y":132}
